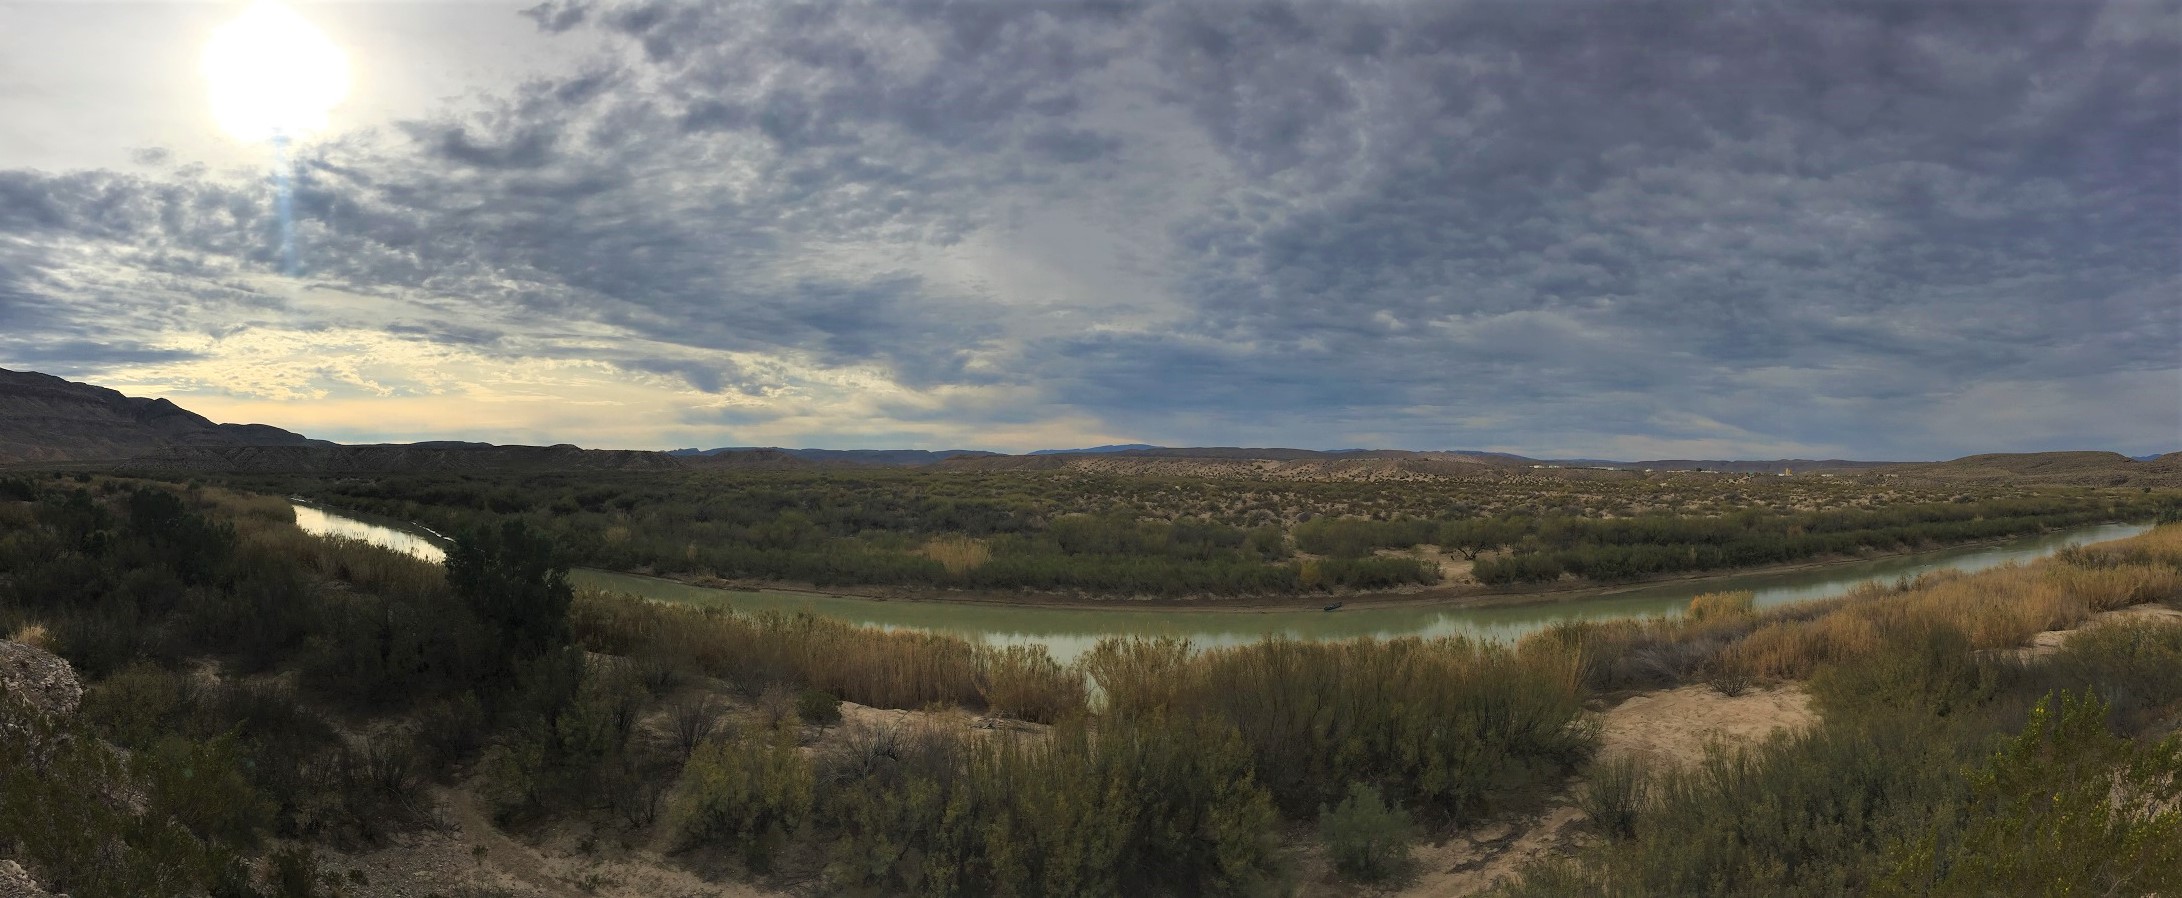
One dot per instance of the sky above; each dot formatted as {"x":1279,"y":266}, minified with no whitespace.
{"x":1623,"y":229}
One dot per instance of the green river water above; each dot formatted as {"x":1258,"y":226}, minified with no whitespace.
{"x":1068,"y":632}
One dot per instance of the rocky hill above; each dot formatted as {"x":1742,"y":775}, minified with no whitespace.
{"x":45,"y":418}
{"x":2075,"y":468}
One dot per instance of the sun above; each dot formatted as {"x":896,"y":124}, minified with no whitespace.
{"x":273,"y":74}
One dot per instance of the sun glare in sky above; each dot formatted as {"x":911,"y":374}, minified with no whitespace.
{"x":273,"y":74}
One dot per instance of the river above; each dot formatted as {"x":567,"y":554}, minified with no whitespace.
{"x":1068,"y":632}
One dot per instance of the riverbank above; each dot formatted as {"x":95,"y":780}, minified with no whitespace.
{"x":1456,"y":597}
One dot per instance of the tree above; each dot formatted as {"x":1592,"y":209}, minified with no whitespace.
{"x":1476,"y":535}
{"x":516,"y":584}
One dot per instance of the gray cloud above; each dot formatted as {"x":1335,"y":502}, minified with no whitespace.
{"x":1550,"y":227}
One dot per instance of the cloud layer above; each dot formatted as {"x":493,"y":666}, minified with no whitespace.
{"x":1609,"y":229}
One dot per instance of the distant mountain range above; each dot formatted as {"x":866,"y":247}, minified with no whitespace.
{"x":45,"y":420}
{"x":849,"y":456}
{"x":1118,"y":447}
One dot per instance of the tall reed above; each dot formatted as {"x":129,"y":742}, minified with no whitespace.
{"x":866,"y":665}
{"x":1999,"y":608}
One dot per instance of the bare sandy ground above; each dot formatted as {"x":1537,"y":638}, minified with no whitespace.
{"x":1674,"y":726}
{"x":1671,"y":727}
{"x":2051,"y":641}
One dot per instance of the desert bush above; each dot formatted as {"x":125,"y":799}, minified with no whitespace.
{"x":2134,"y":669}
{"x":747,"y":793}
{"x":93,"y":822}
{"x":1728,"y":679}
{"x":690,"y":722}
{"x":817,"y":706}
{"x":1132,"y":807}
{"x":451,"y":730}
{"x":1450,"y":728}
{"x":1367,"y":840}
{"x":1614,"y":795}
{"x":2065,"y":808}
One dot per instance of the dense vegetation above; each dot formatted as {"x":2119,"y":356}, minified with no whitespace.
{"x":1172,"y":537}
{"x":1942,"y":766}
{"x":274,"y":691}
{"x":1177,"y":782}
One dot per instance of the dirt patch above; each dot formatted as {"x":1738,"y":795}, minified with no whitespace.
{"x":1674,"y":726}
{"x":2051,"y":641}
{"x":1476,"y":859}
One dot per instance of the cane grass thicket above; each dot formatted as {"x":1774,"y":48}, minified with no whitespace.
{"x":881,"y":668}
{"x":1714,"y":606}
{"x":958,"y":554}
{"x":2001,"y":608}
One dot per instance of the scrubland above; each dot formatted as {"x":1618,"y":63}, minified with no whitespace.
{"x":263,"y":707}
{"x":1118,"y":535}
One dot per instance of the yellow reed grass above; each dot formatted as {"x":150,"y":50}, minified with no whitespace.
{"x":363,"y":565}
{"x":1718,"y":605}
{"x":866,"y":665}
{"x":958,"y":554}
{"x":1998,"y":608}
{"x":34,"y":635}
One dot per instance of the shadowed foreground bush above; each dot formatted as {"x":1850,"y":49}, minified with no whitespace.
{"x":1449,"y":728}
{"x":1154,"y":806}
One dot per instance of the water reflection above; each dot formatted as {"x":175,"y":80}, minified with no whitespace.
{"x":389,"y":534}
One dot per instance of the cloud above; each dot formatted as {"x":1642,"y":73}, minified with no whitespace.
{"x":1583,"y":229}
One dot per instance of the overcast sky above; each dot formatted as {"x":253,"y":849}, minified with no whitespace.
{"x":1620,"y":229}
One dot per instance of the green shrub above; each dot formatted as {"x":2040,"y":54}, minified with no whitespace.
{"x":2065,"y":808}
{"x":817,"y":706}
{"x":749,"y":794}
{"x":1151,"y":806}
{"x":1367,"y":840}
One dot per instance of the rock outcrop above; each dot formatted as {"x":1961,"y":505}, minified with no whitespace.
{"x":39,"y":677}
{"x":16,"y":883}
